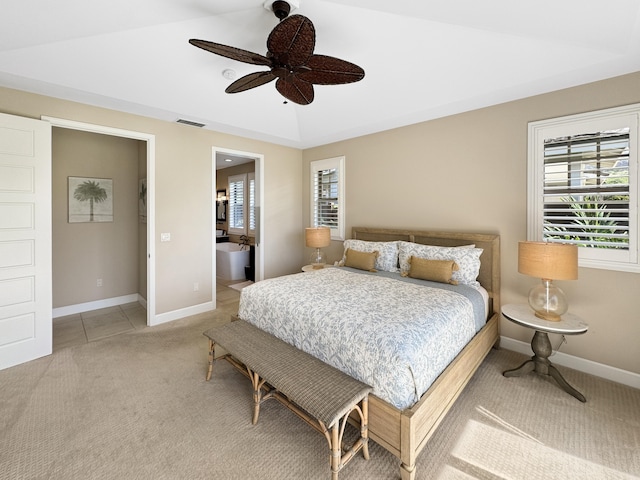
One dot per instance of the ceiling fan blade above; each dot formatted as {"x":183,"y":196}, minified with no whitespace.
{"x":296,"y":90}
{"x":292,"y":41}
{"x":327,"y":70}
{"x":231,"y":52}
{"x":250,"y":81}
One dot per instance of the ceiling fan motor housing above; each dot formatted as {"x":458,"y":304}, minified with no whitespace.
{"x":281,"y":9}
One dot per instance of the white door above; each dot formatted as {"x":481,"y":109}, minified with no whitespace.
{"x":25,"y":240}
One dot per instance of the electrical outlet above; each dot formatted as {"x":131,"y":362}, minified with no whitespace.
{"x":196,"y":287}
{"x":99,"y":282}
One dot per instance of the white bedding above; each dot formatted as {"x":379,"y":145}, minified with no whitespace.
{"x":394,"y":335}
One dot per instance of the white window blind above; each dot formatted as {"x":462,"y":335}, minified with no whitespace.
{"x":252,"y":203}
{"x":236,"y":214}
{"x":327,"y":195}
{"x":586,"y":189}
{"x":583,"y":185}
{"x":326,"y":191}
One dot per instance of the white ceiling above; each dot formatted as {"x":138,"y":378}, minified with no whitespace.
{"x":423,"y":59}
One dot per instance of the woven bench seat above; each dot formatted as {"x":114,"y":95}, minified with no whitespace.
{"x":320,"y":394}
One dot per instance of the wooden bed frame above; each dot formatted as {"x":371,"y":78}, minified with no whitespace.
{"x":405,"y":433}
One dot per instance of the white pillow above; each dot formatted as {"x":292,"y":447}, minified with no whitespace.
{"x":468,"y":259}
{"x":387,"y":260}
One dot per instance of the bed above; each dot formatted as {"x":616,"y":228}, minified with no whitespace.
{"x":414,"y":382}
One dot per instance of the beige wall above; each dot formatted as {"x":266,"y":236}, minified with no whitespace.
{"x":85,"y":252}
{"x":184,"y":195}
{"x":469,"y":172}
{"x":464,"y":172}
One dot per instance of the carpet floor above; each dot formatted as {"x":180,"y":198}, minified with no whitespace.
{"x":137,"y":406}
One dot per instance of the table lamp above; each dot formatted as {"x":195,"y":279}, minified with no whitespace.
{"x":548,"y":261}
{"x":318,"y":237}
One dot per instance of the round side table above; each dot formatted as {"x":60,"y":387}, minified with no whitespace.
{"x":540,"y":344}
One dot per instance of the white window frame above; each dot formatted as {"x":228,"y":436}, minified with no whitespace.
{"x":338,"y":163}
{"x":627,"y":116}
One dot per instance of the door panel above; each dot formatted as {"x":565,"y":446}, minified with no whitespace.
{"x":25,"y":240}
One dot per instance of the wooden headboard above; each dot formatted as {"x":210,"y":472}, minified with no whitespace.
{"x":489,"y":276}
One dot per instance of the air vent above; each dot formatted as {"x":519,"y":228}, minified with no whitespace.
{"x":189,"y":122}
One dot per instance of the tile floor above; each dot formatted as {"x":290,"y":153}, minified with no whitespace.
{"x":98,"y":324}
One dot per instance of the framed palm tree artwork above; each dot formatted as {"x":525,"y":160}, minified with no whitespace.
{"x":90,"y":200}
{"x":142,"y":200}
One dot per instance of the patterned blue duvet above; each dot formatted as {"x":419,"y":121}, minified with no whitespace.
{"x":394,"y":335}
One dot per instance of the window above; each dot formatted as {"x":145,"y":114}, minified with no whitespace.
{"x":236,"y":204}
{"x":583,"y":185}
{"x":242,"y":204}
{"x":252,"y":203}
{"x":327,"y":195}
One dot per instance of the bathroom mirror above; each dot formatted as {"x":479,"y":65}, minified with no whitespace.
{"x":221,"y":205}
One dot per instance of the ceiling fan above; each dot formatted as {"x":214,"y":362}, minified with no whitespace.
{"x":290,"y":58}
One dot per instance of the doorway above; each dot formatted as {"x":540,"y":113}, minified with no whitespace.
{"x":147,"y":254}
{"x":228,"y":163}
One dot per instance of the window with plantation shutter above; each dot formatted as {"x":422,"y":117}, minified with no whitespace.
{"x":327,"y":195}
{"x":236,"y":212}
{"x":252,"y":203}
{"x":241,"y":207}
{"x":583,"y":185}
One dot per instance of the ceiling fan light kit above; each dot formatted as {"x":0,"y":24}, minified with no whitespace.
{"x":290,"y":59}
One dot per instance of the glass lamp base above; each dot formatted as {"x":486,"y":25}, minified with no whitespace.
{"x":318,"y":259}
{"x":548,"y":301}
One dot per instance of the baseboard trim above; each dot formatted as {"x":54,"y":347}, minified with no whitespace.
{"x":181,"y":313}
{"x":95,"y":305}
{"x":134,"y":297}
{"x":582,"y":365}
{"x":142,"y":301}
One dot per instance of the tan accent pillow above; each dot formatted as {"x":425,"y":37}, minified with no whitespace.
{"x":432,"y":270}
{"x":361,"y":260}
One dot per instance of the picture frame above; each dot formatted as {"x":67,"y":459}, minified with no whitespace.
{"x":90,"y":200}
{"x":221,"y":205}
{"x":142,"y":200}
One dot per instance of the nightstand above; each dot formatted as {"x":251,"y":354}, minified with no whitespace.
{"x":540,"y":344}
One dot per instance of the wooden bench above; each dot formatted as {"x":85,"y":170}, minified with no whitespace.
{"x":318,"y":393}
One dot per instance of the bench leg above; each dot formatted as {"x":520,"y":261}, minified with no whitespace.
{"x":212,"y":352}
{"x":338,"y":459}
{"x":336,"y":452}
{"x":257,"y":383}
{"x":364,"y":428}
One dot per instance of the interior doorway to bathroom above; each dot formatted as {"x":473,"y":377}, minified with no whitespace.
{"x":238,"y":197}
